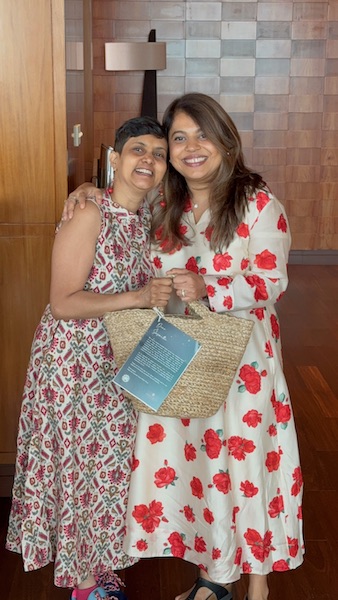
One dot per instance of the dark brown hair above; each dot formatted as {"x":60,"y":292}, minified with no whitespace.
{"x":230,"y":187}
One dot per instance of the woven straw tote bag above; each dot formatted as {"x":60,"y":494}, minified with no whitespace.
{"x":205,"y":384}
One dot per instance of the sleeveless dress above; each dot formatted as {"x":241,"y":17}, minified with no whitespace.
{"x":225,"y":492}
{"x":76,"y":430}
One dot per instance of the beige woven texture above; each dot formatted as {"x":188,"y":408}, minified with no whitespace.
{"x":205,"y":384}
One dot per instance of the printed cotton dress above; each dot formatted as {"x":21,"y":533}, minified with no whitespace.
{"x":76,"y":430}
{"x":225,"y":492}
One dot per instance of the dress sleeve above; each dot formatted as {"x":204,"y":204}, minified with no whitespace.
{"x":264,"y":276}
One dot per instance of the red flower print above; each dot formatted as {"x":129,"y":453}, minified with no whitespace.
{"x":185,"y":422}
{"x":243,"y":230}
{"x":40,"y":557}
{"x":300,"y":513}
{"x":222,"y":482}
{"x":272,"y":461}
{"x":157,"y":262}
{"x":251,"y":378}
{"x":189,"y":452}
{"x":213,"y":444}
{"x":49,"y":394}
{"x":293,"y":546}
{"x":77,"y":370}
{"x":86,"y":499}
{"x":298,"y":479}
{"x":200,"y":545}
{"x":141,"y":545}
{"x":208,"y":233}
{"x":238,"y":556}
{"x":74,"y":423}
{"x":40,"y":473}
{"x":248,"y":489}
{"x":208,"y":516}
{"x":101,"y":400}
{"x":196,"y":487}
{"x":275,"y":327}
{"x":165,"y":477}
{"x":259,"y":313}
{"x":148,"y":517}
{"x":276,"y":506}
{"x":224,"y":281}
{"x":227,"y":302}
{"x":94,"y":448}
{"x":156,"y":433}
{"x":260,"y":287}
{"x":252,"y":418}
{"x":272,"y":430}
{"x":16,"y":507}
{"x":106,"y":520}
{"x":116,"y":475}
{"x":70,"y":530}
{"x":235,"y":510}
{"x":189,"y":513}
{"x":221,"y":262}
{"x":268,"y":349}
{"x":63,"y":581}
{"x":262,"y":199}
{"x":106,"y":352}
{"x":126,"y":429}
{"x":281,"y":565}
{"x":247,"y":568}
{"x":210,"y":291}
{"x":178,"y":547}
{"x":260,"y":547}
{"x":183,"y":229}
{"x":282,"y":412}
{"x":244,"y":264}
{"x":265,"y":260}
{"x":282,"y":224}
{"x":135,"y":463}
{"x":192,"y":265}
{"x":216,"y":553}
{"x":239,"y":447}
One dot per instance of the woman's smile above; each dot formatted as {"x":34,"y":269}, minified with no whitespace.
{"x":191,"y":153}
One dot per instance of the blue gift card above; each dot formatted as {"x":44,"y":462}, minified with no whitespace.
{"x":157,"y":363}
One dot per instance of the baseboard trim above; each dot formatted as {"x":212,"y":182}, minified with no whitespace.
{"x":313,"y":257}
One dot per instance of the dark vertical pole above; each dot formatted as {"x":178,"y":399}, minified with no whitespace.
{"x":149,"y":96}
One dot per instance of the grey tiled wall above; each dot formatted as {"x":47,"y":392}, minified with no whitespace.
{"x":272,"y":65}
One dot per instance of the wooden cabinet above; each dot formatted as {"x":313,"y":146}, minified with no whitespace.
{"x":33,"y":184}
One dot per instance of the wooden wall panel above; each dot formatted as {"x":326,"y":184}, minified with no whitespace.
{"x":25,"y":258}
{"x":33,"y":184}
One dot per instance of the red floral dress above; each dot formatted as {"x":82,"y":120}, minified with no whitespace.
{"x":76,"y":430}
{"x":225,"y":492}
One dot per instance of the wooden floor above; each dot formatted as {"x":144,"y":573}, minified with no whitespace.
{"x":309,"y":322}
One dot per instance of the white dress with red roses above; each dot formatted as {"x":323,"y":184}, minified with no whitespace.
{"x":77,"y":431}
{"x":225,"y":492}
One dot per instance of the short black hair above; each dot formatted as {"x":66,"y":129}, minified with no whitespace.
{"x":135,"y":127}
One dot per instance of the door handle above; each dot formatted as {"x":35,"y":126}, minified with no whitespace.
{"x":77,"y":134}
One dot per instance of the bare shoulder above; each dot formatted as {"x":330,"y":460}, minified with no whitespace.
{"x":88,"y":220}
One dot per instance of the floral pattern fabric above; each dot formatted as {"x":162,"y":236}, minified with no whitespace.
{"x":76,"y":430}
{"x":225,"y":492}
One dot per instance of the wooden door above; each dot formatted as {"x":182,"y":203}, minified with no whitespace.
{"x":33,"y":184}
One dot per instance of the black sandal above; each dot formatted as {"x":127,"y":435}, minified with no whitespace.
{"x":220,"y":592}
